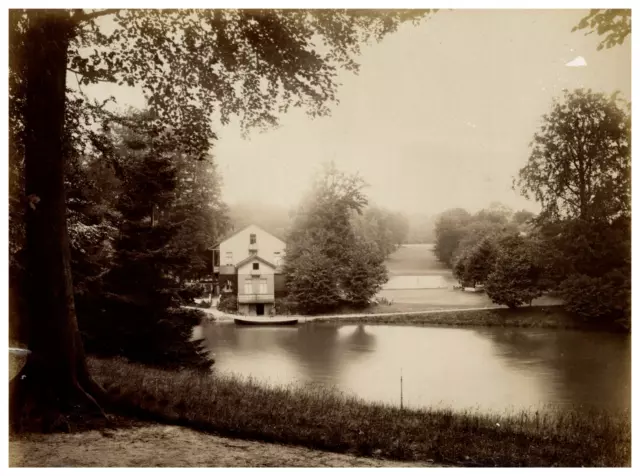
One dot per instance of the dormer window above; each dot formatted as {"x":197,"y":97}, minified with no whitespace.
{"x":252,"y":239}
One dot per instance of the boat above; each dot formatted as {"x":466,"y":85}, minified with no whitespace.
{"x":265,"y":321}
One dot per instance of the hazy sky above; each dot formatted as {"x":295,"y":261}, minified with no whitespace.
{"x":440,"y":115}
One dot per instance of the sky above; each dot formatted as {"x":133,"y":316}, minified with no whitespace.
{"x":441,"y":115}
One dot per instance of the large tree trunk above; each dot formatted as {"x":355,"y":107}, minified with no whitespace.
{"x":55,"y":375}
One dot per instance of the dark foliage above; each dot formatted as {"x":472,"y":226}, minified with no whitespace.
{"x":599,"y":299}
{"x":228,"y":303}
{"x":132,"y":252}
{"x":580,"y":162}
{"x":285,"y":306}
{"x":189,"y":292}
{"x":328,"y":263}
{"x":515,"y":277}
{"x":474,"y":265}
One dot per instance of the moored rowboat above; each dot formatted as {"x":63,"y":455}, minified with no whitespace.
{"x":265,"y":321}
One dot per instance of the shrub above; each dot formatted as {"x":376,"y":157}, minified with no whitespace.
{"x":473,"y":266}
{"x":285,"y":306}
{"x":189,"y":292}
{"x":515,"y":279}
{"x":228,"y":303}
{"x":149,"y":335}
{"x":599,"y":299}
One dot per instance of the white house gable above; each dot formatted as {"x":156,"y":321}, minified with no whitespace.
{"x":252,"y":240}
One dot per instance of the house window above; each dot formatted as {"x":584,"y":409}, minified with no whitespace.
{"x":252,"y":239}
{"x":263,"y":286}
{"x":248,"y":286}
{"x":228,"y":257}
{"x":256,"y":265}
{"x":277,"y":259}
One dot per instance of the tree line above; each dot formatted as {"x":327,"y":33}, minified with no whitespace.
{"x":579,"y":245}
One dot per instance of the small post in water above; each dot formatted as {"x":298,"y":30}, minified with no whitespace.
{"x":401,"y":400}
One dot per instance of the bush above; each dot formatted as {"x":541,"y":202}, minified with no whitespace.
{"x":161,"y":337}
{"x":285,"y":306}
{"x":189,"y":292}
{"x":473,"y":266}
{"x":515,"y":279}
{"x":228,"y":303}
{"x":599,"y":299}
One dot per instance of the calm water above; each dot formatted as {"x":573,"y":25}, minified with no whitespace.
{"x":485,"y":368}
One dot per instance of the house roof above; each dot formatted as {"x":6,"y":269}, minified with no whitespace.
{"x":255,"y":257}
{"x":231,"y":234}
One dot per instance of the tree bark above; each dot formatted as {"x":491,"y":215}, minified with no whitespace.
{"x":55,"y":374}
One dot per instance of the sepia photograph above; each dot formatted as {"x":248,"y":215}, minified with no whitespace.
{"x":357,"y":236}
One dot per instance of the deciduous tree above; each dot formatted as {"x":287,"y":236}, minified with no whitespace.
{"x":580,"y":163}
{"x":327,"y":263}
{"x":474,"y":265}
{"x":516,"y":275}
{"x":252,"y":63}
{"x":449,"y":231}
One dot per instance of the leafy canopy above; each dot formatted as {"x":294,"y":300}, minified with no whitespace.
{"x":580,"y":163}
{"x":449,"y":231}
{"x":328,"y":262}
{"x":516,"y":277}
{"x":250,"y":63}
{"x":613,"y":24}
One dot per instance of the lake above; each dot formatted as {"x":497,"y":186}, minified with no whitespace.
{"x":489,"y":369}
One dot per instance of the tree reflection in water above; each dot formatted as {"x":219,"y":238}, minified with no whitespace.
{"x":491,"y":368}
{"x":583,"y":368}
{"x":320,"y":352}
{"x":323,"y":351}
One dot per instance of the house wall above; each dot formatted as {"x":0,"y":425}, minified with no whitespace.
{"x":255,"y":283}
{"x":250,"y":309}
{"x":265,"y":269}
{"x":238,"y":244}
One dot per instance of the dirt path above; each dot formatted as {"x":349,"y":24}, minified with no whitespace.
{"x":170,"y":446}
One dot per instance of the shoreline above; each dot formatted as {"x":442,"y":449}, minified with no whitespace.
{"x":321,"y":419}
{"x":537,"y":316}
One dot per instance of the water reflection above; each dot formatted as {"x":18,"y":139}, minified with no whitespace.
{"x":489,"y":368}
{"x":587,"y":368}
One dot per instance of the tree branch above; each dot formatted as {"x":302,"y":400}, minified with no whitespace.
{"x":92,"y":78}
{"x":82,"y":17}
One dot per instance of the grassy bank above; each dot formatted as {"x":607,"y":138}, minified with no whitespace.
{"x":321,"y":419}
{"x":533,"y":317}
